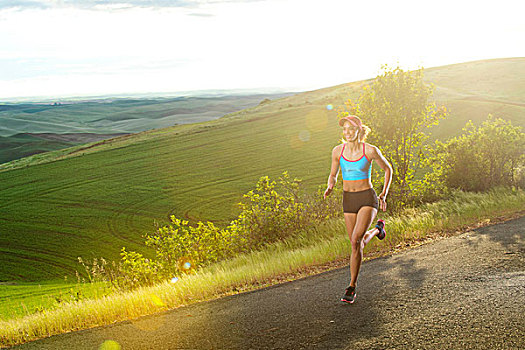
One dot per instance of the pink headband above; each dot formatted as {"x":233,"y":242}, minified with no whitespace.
{"x":353,"y":120}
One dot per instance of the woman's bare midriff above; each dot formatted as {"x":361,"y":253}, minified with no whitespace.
{"x":356,"y":185}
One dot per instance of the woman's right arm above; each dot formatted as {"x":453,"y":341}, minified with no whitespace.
{"x":334,"y":171}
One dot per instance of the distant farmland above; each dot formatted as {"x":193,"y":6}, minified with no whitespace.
{"x":32,"y":128}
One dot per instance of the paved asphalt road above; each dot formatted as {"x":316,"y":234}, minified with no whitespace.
{"x":463,"y":292}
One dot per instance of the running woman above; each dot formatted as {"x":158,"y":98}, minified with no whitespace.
{"x":360,"y":201}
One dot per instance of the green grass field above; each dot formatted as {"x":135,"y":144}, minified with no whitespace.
{"x":27,"y":298}
{"x":91,"y":200}
{"x":200,"y":174}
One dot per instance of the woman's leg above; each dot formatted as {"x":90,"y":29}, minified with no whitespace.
{"x":350,"y":219}
{"x":370,"y":234}
{"x":359,"y":238}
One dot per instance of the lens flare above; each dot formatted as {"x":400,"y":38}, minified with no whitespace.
{"x":185,"y":263}
{"x":304,"y":135}
{"x":109,"y":345}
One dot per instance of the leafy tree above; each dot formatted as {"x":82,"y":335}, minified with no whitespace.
{"x":397,"y":109}
{"x":481,"y":158}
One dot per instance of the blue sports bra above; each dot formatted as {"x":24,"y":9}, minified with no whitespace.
{"x":355,"y":169}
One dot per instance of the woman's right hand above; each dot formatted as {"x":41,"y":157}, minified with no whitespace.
{"x":382,"y":201}
{"x":327,"y":192}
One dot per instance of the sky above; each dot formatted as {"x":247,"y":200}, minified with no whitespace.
{"x":58,"y":48}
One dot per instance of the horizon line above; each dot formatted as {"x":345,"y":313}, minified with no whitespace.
{"x":210,"y":91}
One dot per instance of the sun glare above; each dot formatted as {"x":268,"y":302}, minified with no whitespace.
{"x":224,"y":45}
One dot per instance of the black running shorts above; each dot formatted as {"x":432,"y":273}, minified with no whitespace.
{"x":353,"y":201}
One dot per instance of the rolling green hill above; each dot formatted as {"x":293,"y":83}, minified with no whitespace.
{"x":32,"y":128}
{"x":91,"y":200}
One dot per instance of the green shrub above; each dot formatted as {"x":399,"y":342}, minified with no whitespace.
{"x":181,"y":248}
{"x":271,"y":215}
{"x":135,"y":270}
{"x":480,"y":159}
{"x":279,"y":210}
{"x":319,"y":209}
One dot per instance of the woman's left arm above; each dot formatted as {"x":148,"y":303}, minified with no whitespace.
{"x":385,"y":165}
